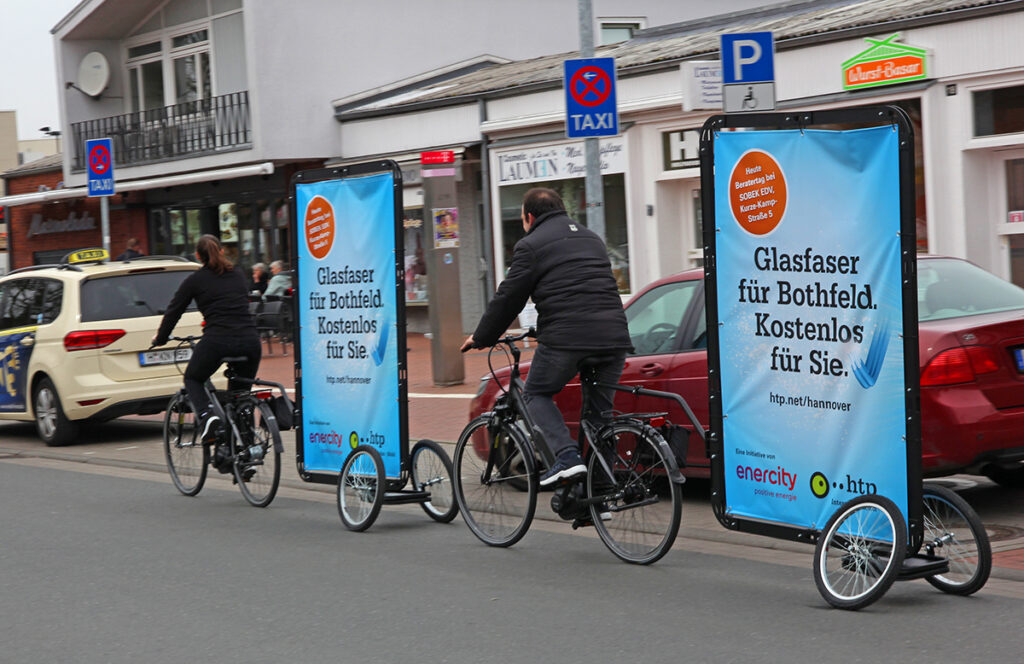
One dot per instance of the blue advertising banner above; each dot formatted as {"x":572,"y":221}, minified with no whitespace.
{"x":348,"y":317}
{"x":810,"y":312}
{"x":14,"y":358}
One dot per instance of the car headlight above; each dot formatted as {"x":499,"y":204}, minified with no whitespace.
{"x":482,"y":387}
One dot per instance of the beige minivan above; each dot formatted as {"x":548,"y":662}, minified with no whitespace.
{"x":75,"y":336}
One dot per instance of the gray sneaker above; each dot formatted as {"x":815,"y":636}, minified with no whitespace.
{"x":564,"y":468}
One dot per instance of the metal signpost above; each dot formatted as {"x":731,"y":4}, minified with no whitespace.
{"x":100,"y":174}
{"x":591,"y":111}
{"x":351,"y":374}
{"x":748,"y":72}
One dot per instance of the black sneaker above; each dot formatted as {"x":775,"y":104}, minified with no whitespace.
{"x":565,"y":468}
{"x":209,"y":424}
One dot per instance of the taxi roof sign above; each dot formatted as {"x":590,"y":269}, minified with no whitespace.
{"x":94,"y":255}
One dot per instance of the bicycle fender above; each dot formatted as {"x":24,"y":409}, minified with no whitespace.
{"x":674,"y":475}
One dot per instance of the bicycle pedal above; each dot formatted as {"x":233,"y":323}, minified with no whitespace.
{"x":581,"y":523}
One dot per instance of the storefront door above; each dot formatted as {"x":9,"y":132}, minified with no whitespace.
{"x":1013,"y":168}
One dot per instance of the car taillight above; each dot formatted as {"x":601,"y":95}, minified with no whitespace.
{"x":959,"y":365}
{"x":88,"y":339}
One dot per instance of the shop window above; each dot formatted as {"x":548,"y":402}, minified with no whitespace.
{"x":415,"y":262}
{"x":573,"y":193}
{"x":999,"y":111}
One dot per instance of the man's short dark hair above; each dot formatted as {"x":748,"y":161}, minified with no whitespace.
{"x":539,"y":200}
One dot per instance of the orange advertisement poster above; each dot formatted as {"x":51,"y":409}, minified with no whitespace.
{"x":320,"y":227}
{"x":757,"y":192}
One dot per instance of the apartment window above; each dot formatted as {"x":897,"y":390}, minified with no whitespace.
{"x":999,"y":111}
{"x":172,"y":62}
{"x":619,"y":29}
{"x":145,"y":77}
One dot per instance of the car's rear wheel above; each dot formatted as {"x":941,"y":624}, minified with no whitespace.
{"x":52,"y":425}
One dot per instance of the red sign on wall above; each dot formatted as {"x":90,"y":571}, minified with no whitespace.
{"x":438,"y":157}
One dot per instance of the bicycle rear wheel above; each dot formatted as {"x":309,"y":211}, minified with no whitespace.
{"x":187,"y":457}
{"x":257,"y":458}
{"x":361,"y":488}
{"x":953,"y":530}
{"x":859,"y":553}
{"x":645,"y":507}
{"x":495,"y":484}
{"x":431,"y":470}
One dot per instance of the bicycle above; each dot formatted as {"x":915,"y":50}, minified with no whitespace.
{"x":863,"y":549}
{"x":252,"y":437}
{"x":631,"y":493}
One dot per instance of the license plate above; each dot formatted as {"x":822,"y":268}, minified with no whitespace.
{"x":152,"y":358}
{"x":1018,"y":355}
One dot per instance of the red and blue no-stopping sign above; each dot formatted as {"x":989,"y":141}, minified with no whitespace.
{"x":99,"y":156}
{"x":590,"y":101}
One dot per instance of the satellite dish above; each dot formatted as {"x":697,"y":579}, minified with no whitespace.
{"x":93,"y":74}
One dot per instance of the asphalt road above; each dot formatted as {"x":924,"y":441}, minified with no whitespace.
{"x":102,"y":564}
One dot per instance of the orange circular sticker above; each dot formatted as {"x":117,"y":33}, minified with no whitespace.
{"x":757,"y":192}
{"x":319,"y":227}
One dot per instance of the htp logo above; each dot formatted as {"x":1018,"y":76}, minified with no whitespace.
{"x":820,"y":486}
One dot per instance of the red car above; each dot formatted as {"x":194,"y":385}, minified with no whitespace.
{"x":971,"y":332}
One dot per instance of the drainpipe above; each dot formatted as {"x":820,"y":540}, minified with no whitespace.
{"x":485,"y":186}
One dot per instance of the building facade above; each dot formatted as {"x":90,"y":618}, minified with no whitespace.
{"x":212,"y":105}
{"x":955,"y":69}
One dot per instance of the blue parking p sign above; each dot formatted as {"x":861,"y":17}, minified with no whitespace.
{"x":99,"y":157}
{"x":590,"y":104}
{"x":748,"y":57}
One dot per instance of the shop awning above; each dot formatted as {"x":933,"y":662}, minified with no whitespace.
{"x":265,"y":168}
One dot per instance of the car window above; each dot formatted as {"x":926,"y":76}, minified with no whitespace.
{"x":950,"y":288}
{"x":20,"y":303}
{"x":52,"y":296}
{"x":130,"y":295}
{"x":655,"y":317}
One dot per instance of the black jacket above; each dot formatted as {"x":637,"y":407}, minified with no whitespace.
{"x":564,"y":267}
{"x":223,"y":299}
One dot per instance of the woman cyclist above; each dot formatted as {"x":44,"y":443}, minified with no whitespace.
{"x":220,"y":290}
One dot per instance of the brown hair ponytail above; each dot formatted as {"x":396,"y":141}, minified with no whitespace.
{"x":212,"y":254}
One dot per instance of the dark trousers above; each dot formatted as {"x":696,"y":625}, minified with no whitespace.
{"x":550,"y":370}
{"x":207,"y":357}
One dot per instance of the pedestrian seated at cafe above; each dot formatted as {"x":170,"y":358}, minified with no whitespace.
{"x":131,"y":250}
{"x":279,"y":283}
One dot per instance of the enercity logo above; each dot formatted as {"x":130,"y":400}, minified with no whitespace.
{"x":777,"y":476}
{"x":820,"y":486}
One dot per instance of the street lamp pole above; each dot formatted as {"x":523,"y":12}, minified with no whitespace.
{"x":594,"y":191}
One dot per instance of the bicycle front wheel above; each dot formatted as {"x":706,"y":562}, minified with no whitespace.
{"x":641,"y":506}
{"x":361,"y":488}
{"x":953,"y":530}
{"x":187,"y":457}
{"x":257,"y":457}
{"x":859,"y":553}
{"x":495,"y":484}
{"x":431,"y":471}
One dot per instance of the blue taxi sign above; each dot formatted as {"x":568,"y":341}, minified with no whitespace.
{"x":99,"y":158}
{"x":590,"y":103}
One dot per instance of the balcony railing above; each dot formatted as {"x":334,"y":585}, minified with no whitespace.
{"x":182,"y":131}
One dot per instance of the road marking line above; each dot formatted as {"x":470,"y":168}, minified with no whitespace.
{"x":130,"y":447}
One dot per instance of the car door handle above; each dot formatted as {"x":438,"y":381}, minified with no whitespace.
{"x":652,"y":369}
{"x":27,"y":341}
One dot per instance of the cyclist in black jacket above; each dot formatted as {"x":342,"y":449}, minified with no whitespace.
{"x":220,"y":290}
{"x":564,"y":267}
